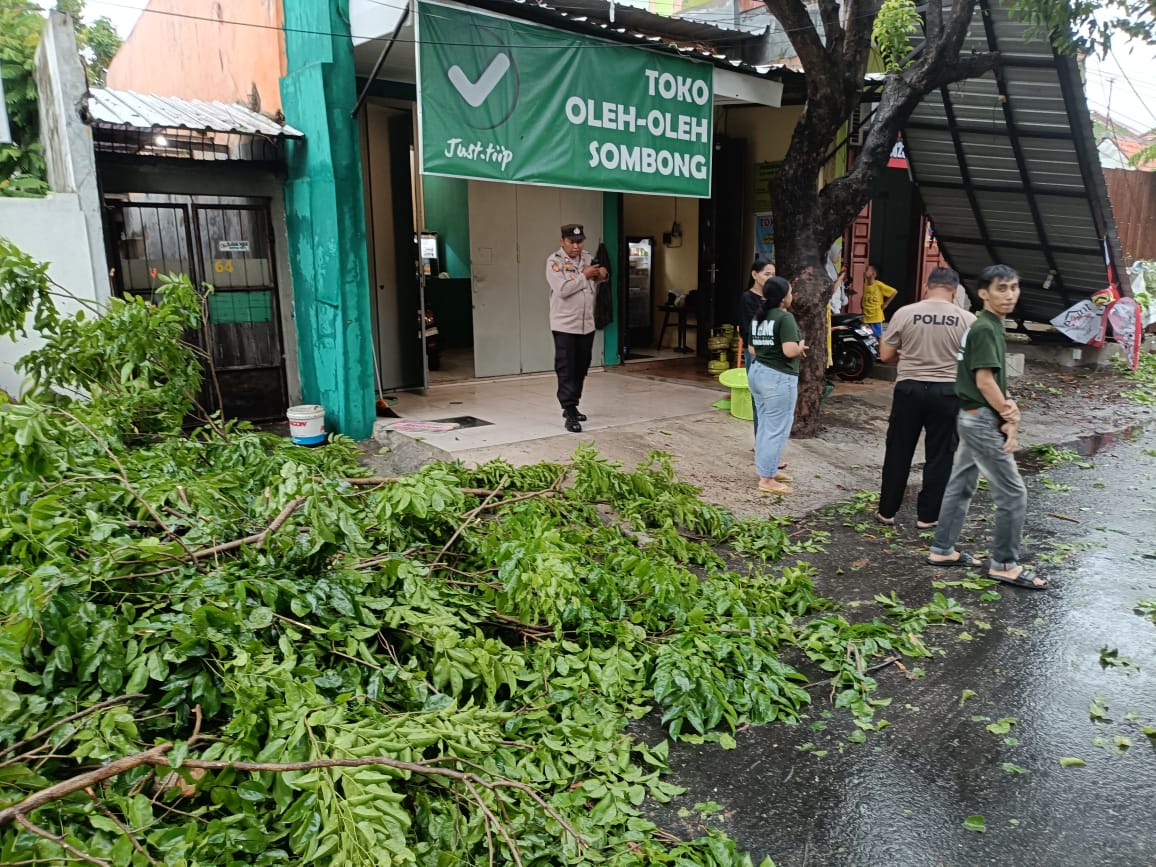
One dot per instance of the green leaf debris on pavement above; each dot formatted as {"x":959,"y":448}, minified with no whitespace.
{"x":975,"y":823}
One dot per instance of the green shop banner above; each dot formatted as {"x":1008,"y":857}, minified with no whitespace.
{"x":500,"y":100}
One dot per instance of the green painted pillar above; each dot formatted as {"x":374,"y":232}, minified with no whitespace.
{"x":612,"y":232}
{"x":325,"y":213}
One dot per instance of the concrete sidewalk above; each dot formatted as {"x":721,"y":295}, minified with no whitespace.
{"x":631,"y":415}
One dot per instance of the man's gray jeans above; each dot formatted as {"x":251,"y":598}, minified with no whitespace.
{"x":981,"y":450}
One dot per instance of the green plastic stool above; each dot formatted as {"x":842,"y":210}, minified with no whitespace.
{"x":741,"y":404}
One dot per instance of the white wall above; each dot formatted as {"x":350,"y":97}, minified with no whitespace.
{"x":61,"y":86}
{"x":51,"y":230}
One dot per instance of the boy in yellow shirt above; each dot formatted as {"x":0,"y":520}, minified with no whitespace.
{"x":876,"y":296}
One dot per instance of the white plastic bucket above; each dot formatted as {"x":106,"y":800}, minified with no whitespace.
{"x":306,"y":424}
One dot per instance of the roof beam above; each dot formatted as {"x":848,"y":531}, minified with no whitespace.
{"x":992,"y":188}
{"x":1018,"y":151}
{"x":1016,"y":245}
{"x":965,"y":172}
{"x":1047,"y":135}
{"x":1069,"y":76}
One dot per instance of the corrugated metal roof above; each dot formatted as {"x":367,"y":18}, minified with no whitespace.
{"x":728,"y":48}
{"x":125,"y":109}
{"x":1009,"y":172}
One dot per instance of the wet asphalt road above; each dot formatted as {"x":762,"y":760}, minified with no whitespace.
{"x":902,"y":797}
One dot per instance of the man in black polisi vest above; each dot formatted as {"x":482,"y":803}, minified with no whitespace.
{"x":925,"y":337}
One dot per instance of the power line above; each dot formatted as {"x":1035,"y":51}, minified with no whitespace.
{"x":1132,"y":86}
{"x":376,"y":38}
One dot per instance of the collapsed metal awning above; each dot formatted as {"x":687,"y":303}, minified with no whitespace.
{"x":125,"y":122}
{"x":1009,"y":172}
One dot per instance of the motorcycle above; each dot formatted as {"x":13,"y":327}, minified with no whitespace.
{"x":854,"y":347}
{"x":432,"y":347}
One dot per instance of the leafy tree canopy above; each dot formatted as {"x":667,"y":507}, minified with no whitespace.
{"x":22,"y":170}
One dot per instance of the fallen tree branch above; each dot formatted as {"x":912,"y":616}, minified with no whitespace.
{"x":470,"y":515}
{"x":13,"y":813}
{"x":489,"y":502}
{"x":378,"y":481}
{"x":888,"y":661}
{"x":255,"y":539}
{"x":155,"y":757}
{"x":59,"y":841}
{"x":124,"y":480}
{"x":125,"y":829}
{"x":47,"y":730}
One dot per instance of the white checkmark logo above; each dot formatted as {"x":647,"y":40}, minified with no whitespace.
{"x":475,"y":92}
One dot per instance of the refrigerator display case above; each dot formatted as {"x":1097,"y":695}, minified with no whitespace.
{"x":640,"y":291}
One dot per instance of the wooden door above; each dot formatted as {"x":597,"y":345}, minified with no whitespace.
{"x":235,"y":245}
{"x":859,"y":245}
{"x":229,"y":246}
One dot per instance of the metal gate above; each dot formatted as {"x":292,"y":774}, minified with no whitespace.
{"x":227,"y":243}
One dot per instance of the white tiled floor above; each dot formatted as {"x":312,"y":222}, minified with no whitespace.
{"x":526,"y":408}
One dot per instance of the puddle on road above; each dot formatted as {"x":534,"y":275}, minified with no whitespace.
{"x":1087,"y":446}
{"x":1031,"y":461}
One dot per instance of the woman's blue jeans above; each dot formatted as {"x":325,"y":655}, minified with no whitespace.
{"x":749,"y":360}
{"x":774,"y":394}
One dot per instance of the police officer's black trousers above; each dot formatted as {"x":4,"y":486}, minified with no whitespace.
{"x":930,"y":408}
{"x":571,"y":361}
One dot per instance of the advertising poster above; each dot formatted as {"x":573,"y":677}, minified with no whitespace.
{"x":765,"y":235}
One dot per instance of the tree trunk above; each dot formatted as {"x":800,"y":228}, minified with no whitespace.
{"x":800,"y":256}
{"x":808,"y":221}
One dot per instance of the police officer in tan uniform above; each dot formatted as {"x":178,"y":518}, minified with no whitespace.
{"x":572,"y":277}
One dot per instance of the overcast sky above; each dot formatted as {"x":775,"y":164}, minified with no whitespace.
{"x":1122,"y":86}
{"x":122,"y":13}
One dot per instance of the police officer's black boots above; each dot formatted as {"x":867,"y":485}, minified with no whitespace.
{"x":573,"y":420}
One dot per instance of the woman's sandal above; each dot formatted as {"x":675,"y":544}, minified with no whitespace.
{"x":886,"y":522}
{"x":778,"y":489}
{"x":926,"y":525}
{"x":782,"y":477}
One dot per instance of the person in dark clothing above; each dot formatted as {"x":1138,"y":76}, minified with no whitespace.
{"x":573,"y":280}
{"x":750,"y":304}
{"x":925,"y":338}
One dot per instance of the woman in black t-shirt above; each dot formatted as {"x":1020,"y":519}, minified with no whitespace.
{"x":749,"y":305}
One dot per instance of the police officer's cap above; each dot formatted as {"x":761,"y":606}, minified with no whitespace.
{"x":573,"y":232}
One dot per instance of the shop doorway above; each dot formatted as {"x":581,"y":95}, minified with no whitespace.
{"x":394,"y":253}
{"x":660,"y":299}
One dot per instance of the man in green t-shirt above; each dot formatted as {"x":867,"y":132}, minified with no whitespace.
{"x":988,"y":425}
